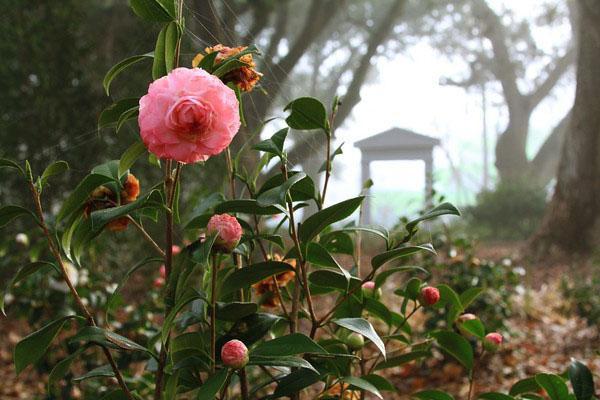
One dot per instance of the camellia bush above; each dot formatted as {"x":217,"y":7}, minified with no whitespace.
{"x":258,"y":304}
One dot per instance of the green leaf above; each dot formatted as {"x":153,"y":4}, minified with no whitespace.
{"x":130,"y":156}
{"x":274,"y":145}
{"x":362,"y":384}
{"x":103,"y":337}
{"x":208,"y":61}
{"x":100,"y":218}
{"x":469,"y":295}
{"x":375,"y":230}
{"x":295,"y":343}
{"x":21,"y":274}
{"x":109,"y":117}
{"x":474,"y":327}
{"x":127,"y":115}
{"x":281,"y":361}
{"x":432,"y":395}
{"x":554,"y":386}
{"x":277,"y":195}
{"x":57,"y":167}
{"x":61,"y":369}
{"x":307,"y":113}
{"x":6,"y":163}
{"x":457,"y":346}
{"x":527,"y":385}
{"x":399,"y":252}
{"x":33,"y":347}
{"x":213,"y":385}
{"x":235,"y":310}
{"x":245,"y":277}
{"x":171,"y":38}
{"x":402,"y":359}
{"x":582,"y":380}
{"x":384,"y":275}
{"x":246,"y":207}
{"x":103,"y":371}
{"x":315,"y":224}
{"x":330,"y":278}
{"x":442,"y":209}
{"x":187,"y":298}
{"x":378,"y":309}
{"x":11,"y":212}
{"x":120,"y":67}
{"x":381,"y":383}
{"x":295,"y":382}
{"x":250,"y":329}
{"x":154,"y":10}
{"x":337,"y":152}
{"x":495,"y":396}
{"x":159,"y":67}
{"x":364,"y":327}
{"x":450,"y":297}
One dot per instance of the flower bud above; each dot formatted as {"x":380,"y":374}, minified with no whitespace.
{"x":234,"y":354}
{"x":158,"y":282}
{"x":163,"y":271}
{"x":369,"y":290}
{"x":355,"y":341}
{"x":22,"y":239}
{"x":492,"y":341}
{"x":228,"y":230}
{"x":461,"y":320}
{"x":429,"y":296}
{"x":175,"y":249}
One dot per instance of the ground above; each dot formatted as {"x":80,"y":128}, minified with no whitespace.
{"x":542,"y":337}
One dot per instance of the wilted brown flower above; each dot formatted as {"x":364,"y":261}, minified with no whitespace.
{"x":245,"y":77}
{"x":266,"y":287}
{"x":103,"y":197}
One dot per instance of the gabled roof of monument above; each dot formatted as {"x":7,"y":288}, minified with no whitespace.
{"x":397,"y":138}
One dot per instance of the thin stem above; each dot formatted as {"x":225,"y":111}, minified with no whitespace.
{"x":472,"y":376}
{"x":343,"y":299}
{"x":213,"y":313}
{"x":147,"y":236}
{"x":327,"y":169}
{"x":88,"y":315}
{"x":231,"y":172}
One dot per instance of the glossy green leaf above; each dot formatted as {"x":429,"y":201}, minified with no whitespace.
{"x":109,"y":117}
{"x":103,"y":371}
{"x":456,"y":346}
{"x":295,"y":382}
{"x":381,"y":383}
{"x":402,"y":359}
{"x":364,"y":327}
{"x":235,"y":310}
{"x":245,"y":277}
{"x":527,"y":385}
{"x":315,"y":224}
{"x":154,"y":10}
{"x":190,"y":296}
{"x":127,"y":115}
{"x":61,"y":369}
{"x":103,"y":337}
{"x":582,"y":380}
{"x":362,"y":385}
{"x":474,"y":327}
{"x":120,"y":67}
{"x":57,"y":167}
{"x":450,"y":297}
{"x":432,"y":395}
{"x":399,"y":252}
{"x":554,"y":386}
{"x":281,"y":361}
{"x":159,"y":67}
{"x":11,"y":212}
{"x":292,"y":344}
{"x":213,"y":385}
{"x":381,"y":277}
{"x":277,"y":195}
{"x":128,"y":158}
{"x":273,"y":145}
{"x":6,"y":163}
{"x":495,"y":396}
{"x":307,"y":113}
{"x":442,"y":209}
{"x":171,"y":38}
{"x":250,"y":329}
{"x":33,"y":347}
{"x":246,"y":207}
{"x":81,"y":193}
{"x":468,"y":296}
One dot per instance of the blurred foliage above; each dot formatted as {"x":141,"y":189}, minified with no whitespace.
{"x":582,"y":295}
{"x":512,"y":211}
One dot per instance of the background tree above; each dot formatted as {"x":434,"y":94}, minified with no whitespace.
{"x":499,"y":48}
{"x":572,"y":220}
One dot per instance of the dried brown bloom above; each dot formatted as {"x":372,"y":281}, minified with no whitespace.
{"x":245,"y":77}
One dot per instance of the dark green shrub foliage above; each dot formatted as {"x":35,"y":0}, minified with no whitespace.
{"x":511,"y":211}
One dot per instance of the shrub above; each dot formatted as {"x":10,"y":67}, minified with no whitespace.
{"x":511,"y":211}
{"x":582,"y":295}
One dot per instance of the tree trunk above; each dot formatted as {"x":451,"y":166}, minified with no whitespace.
{"x":572,"y":220}
{"x":511,"y":158}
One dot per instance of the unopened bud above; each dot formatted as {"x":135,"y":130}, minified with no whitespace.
{"x":234,"y":354}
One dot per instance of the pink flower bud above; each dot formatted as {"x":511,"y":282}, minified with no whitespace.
{"x":368,"y":289}
{"x":175,"y":249}
{"x":158,"y":283}
{"x":492,"y":341}
{"x":234,"y":354}
{"x":228,"y":229}
{"x":461,"y":320}
{"x":429,"y":296}
{"x":163,"y":272}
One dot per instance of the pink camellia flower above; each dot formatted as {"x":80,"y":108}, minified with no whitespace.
{"x":188,"y":116}
{"x":234,"y":354}
{"x":228,"y":230}
{"x":429,"y":296}
{"x":492,"y":341}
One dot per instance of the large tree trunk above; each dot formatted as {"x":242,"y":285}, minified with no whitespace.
{"x":511,"y":158}
{"x":572,"y":221}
